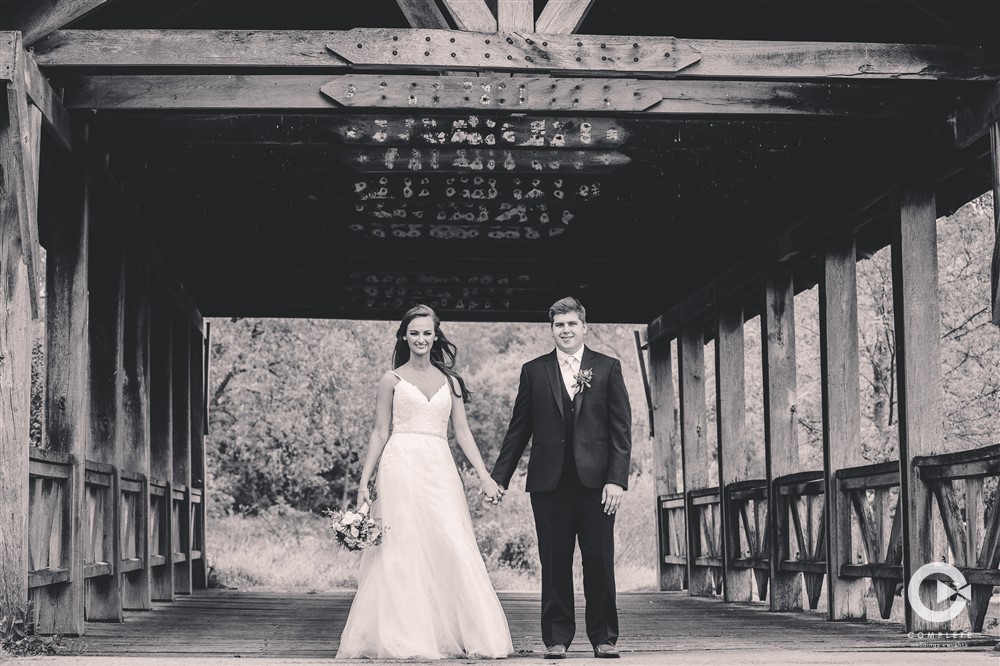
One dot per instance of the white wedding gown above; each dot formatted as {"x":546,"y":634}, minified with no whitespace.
{"x":424,"y":591}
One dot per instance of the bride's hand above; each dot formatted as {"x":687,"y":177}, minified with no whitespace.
{"x":491,"y":489}
{"x":364,"y":497}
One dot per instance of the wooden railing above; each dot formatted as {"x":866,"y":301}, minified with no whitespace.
{"x":801,"y":529}
{"x":673,"y":530}
{"x":704,"y":521}
{"x":747,"y":526}
{"x":870,"y":495}
{"x":970,"y":513}
{"x":50,"y":493}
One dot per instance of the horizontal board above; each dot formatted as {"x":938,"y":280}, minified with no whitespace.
{"x":44,"y":577}
{"x":485,"y":160}
{"x":729,"y":59}
{"x":47,"y":470}
{"x":447,"y":49}
{"x":480,"y":130}
{"x":485,"y":93}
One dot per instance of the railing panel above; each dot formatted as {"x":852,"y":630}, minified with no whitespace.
{"x":801,"y":529}
{"x":704,"y":521}
{"x":49,"y":478}
{"x":748,"y":530}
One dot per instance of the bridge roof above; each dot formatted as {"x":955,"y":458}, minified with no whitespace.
{"x":275,"y":184}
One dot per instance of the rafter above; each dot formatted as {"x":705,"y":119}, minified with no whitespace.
{"x":39,"y":18}
{"x":563,"y":16}
{"x":515,"y":16}
{"x":423,"y":14}
{"x":729,"y":59}
{"x":471,"y":15}
{"x":302,"y":92}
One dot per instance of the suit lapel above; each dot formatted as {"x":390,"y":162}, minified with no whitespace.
{"x":555,"y":380}
{"x":586,"y":363}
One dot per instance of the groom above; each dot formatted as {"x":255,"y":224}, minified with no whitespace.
{"x":573,"y":405}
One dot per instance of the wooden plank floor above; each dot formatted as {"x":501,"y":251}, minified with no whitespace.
{"x":272,"y":624}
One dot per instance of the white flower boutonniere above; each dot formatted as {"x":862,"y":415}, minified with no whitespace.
{"x":582,"y":380}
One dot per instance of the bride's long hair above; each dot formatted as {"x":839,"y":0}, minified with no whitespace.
{"x":442,"y":354}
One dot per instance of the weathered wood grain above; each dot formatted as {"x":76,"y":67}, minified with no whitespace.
{"x":734,"y":452}
{"x":976,"y":117}
{"x":917,"y":317}
{"x":478,"y":130}
{"x":35,"y":20}
{"x":422,"y":14}
{"x":199,"y":470}
{"x":41,"y":94}
{"x":181,"y":456}
{"x":727,"y":59}
{"x":482,"y":160}
{"x":841,"y":417}
{"x":471,"y":15}
{"x":484,"y":93}
{"x":694,"y":443}
{"x":515,"y":16}
{"x":161,"y":442}
{"x":995,"y":268}
{"x":781,"y":448}
{"x":563,"y":16}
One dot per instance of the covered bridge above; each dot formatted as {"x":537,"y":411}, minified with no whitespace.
{"x":683,"y":165}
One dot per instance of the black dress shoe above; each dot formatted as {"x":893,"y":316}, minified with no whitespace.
{"x":555,"y":652}
{"x":606,"y":651}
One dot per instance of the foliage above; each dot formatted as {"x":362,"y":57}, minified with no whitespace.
{"x":37,"y":410}
{"x":18,"y":637}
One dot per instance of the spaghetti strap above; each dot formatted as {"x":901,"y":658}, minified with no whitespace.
{"x":395,"y":374}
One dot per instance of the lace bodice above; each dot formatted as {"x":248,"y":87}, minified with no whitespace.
{"x":412,"y":412}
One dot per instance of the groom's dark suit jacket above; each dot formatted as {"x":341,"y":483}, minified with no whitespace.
{"x":602,"y":432}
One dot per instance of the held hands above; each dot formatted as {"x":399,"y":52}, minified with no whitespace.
{"x":492,"y":490}
{"x":611,"y":497}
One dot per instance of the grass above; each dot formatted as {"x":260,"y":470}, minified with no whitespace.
{"x":287,"y":548}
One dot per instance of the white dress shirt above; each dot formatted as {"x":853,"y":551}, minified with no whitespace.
{"x":569,"y":365}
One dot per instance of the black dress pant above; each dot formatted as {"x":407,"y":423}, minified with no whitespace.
{"x":569,"y":513}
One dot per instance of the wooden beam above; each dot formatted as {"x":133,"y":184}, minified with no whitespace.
{"x":734,"y":452}
{"x":995,"y":269}
{"x":665,"y":441}
{"x":181,"y":473}
{"x":423,"y":14}
{"x":471,"y":15}
{"x":719,"y":59}
{"x":918,"y":347}
{"x":15,"y":372}
{"x":292,"y":92}
{"x":199,"y":478}
{"x":563,"y":16}
{"x":39,"y":18}
{"x":694,"y":445}
{"x":839,"y":354}
{"x":974,"y":119}
{"x":67,"y":412}
{"x":515,"y":16}
{"x":781,"y":447}
{"x":20,"y":134}
{"x":161,"y":426}
{"x":42,"y":95}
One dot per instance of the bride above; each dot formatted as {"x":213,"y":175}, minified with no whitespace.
{"x":424,"y":591}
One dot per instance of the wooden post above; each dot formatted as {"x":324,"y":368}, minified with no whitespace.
{"x":135,"y":458}
{"x":199,"y":566}
{"x":995,"y":272}
{"x":107,"y":309}
{"x":839,"y":359}
{"x":694,"y":444}
{"x":734,"y":452}
{"x":161,"y":430}
{"x":181,"y":480}
{"x":15,"y":367}
{"x":60,"y":607}
{"x":918,"y":347}
{"x":781,"y":449}
{"x":672,"y":576}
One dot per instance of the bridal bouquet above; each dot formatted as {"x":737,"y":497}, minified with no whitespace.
{"x":356,"y":530}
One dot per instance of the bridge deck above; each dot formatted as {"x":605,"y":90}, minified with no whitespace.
{"x":656,"y":627}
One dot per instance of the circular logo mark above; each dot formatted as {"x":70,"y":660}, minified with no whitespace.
{"x":955,"y":589}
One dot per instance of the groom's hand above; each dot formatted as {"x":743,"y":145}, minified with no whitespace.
{"x":611,"y":497}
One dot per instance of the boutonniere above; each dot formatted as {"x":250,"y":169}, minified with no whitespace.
{"x":582,"y":380}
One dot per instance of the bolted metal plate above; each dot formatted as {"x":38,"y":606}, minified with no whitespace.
{"x":450,"y":49}
{"x":491,"y":93}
